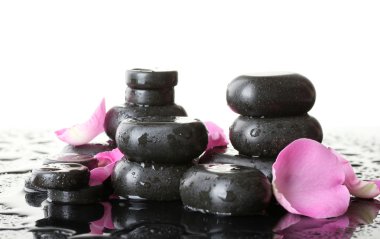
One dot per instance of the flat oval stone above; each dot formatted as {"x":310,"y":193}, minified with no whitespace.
{"x":175,"y":140}
{"x":89,"y":149}
{"x":225,"y":189}
{"x":266,"y":137}
{"x":62,"y":176}
{"x":150,"y":97}
{"x":271,"y":95}
{"x":87,"y":195}
{"x":149,"y":181}
{"x":149,"y":79}
{"x":119,"y":113}
{"x":86,"y":160}
{"x":77,"y":213}
{"x":29,"y":187}
{"x":229,"y":155}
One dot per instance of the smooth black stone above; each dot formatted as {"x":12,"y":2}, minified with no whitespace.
{"x":89,"y":149}
{"x":55,"y":224}
{"x":35,"y":199}
{"x":62,"y":176}
{"x":29,"y":187}
{"x":150,"y":97}
{"x":174,"y":140}
{"x":271,"y":95}
{"x":119,"y":113}
{"x":149,"y":79}
{"x":266,"y":137}
{"x":77,"y":213}
{"x":129,"y":214}
{"x":151,"y":230}
{"x":86,"y":160}
{"x":232,"y":156}
{"x":51,"y":233}
{"x":87,"y":195}
{"x":225,"y":189}
{"x":149,"y":181}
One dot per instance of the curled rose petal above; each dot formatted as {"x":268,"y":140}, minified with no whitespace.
{"x":308,"y":180}
{"x":83,"y":133}
{"x":216,"y":136}
{"x":98,"y":226}
{"x":107,"y":161}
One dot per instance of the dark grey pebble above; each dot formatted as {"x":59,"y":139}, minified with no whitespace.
{"x":231,"y":156}
{"x":150,"y":97}
{"x":86,"y":160}
{"x":282,"y":94}
{"x":70,"y":212}
{"x":149,"y":79}
{"x":119,"y":113}
{"x":62,"y":176}
{"x":29,"y":187}
{"x":225,"y":189}
{"x":266,"y":137}
{"x":86,"y":195}
{"x":174,"y":140}
{"x":149,"y":181}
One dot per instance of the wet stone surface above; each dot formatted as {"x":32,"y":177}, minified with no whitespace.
{"x":31,"y":216}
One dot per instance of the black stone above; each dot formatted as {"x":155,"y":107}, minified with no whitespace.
{"x":150,"y":97}
{"x":87,"y":195}
{"x":231,"y":156}
{"x":119,"y":113}
{"x":147,"y":180}
{"x":58,"y":224}
{"x":35,"y":199}
{"x":266,"y":137}
{"x":271,"y":95}
{"x":86,"y":160}
{"x":51,"y":232}
{"x":62,"y":176}
{"x":127,"y":214}
{"x":29,"y":187}
{"x":70,"y":212}
{"x":225,"y":189}
{"x":151,"y":230}
{"x":174,"y":140}
{"x":89,"y":149}
{"x":149,"y":79}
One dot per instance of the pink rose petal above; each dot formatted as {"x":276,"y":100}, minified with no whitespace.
{"x":107,"y":159}
{"x":83,"y":133}
{"x":308,"y":180}
{"x":97,"y":227}
{"x":216,"y":136}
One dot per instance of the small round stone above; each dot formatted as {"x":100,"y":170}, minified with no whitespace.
{"x":86,"y":160}
{"x":35,"y":199}
{"x":231,"y":156}
{"x":175,"y":140}
{"x":225,"y":189}
{"x":266,"y":137}
{"x":150,"y":97}
{"x":149,"y":181}
{"x":149,"y":79}
{"x":61,"y":176}
{"x":119,"y":113}
{"x":89,"y":149}
{"x":87,"y":195}
{"x":70,"y":212}
{"x":271,"y":95}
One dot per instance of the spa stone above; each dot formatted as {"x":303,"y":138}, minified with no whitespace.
{"x":61,"y":176}
{"x":86,"y":160}
{"x":76,"y":213}
{"x":150,"y":97}
{"x":271,"y":95}
{"x":225,"y":189}
{"x":86,"y":195}
{"x":149,"y":181}
{"x":119,"y":113}
{"x":266,"y":137}
{"x":149,"y":79}
{"x":175,"y":140}
{"x":229,"y":155}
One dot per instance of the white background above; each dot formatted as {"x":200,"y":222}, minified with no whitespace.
{"x":59,"y":58}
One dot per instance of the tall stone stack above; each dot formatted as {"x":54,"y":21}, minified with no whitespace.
{"x":148,"y":93}
{"x":273,"y":112}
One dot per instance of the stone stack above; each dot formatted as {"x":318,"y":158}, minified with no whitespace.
{"x":273,"y":112}
{"x":148,"y":93}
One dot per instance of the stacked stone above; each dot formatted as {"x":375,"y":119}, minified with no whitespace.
{"x":158,"y":149}
{"x":273,"y":109}
{"x":148,"y":93}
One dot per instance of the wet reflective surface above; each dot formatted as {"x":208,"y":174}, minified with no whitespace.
{"x":31,"y":216}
